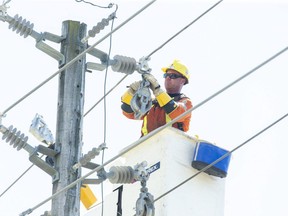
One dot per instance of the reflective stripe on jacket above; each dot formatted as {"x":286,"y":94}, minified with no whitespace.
{"x":158,"y":116}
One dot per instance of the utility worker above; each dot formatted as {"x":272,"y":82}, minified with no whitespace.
{"x":167,"y":105}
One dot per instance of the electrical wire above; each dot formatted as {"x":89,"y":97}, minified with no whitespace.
{"x":195,"y":20}
{"x":105,"y":94}
{"x":105,"y":107}
{"x":88,"y":111}
{"x":170,"y":40}
{"x":2,"y":114}
{"x":75,"y":59}
{"x":17,"y":179}
{"x":156,"y":131}
{"x":87,"y":2}
{"x":133,"y":145}
{"x":222,"y":157}
{"x":160,"y":47}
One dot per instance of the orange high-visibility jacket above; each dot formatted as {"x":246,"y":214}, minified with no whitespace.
{"x":158,"y":116}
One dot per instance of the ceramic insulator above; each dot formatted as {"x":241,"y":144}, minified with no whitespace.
{"x":15,"y":137}
{"x":21,"y":26}
{"x":124,"y":64}
{"x":121,"y":174}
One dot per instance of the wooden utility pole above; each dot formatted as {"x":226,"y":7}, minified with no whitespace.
{"x":69,"y":120}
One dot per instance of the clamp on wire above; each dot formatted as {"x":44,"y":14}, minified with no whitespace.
{"x":141,"y":101}
{"x":145,"y":202}
{"x":3,"y":10}
{"x":1,"y":116}
{"x":143,"y":66}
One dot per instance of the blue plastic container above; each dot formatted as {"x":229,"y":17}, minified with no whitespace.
{"x":205,"y":154}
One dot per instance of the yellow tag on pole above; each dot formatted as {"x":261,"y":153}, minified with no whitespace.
{"x":87,"y":197}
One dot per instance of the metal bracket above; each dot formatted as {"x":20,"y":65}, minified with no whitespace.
{"x":143,"y":66}
{"x":25,"y":28}
{"x":19,"y":141}
{"x":92,"y":181}
{"x":44,"y":166}
{"x":51,"y":52}
{"x":48,"y":49}
{"x":102,"y":56}
{"x":3,"y":10}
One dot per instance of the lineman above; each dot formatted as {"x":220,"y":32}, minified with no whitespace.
{"x":168,"y":104}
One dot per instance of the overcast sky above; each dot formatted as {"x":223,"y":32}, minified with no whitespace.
{"x":229,"y":41}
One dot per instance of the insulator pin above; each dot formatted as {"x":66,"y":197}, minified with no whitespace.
{"x":23,"y":27}
{"x":121,"y":175}
{"x":15,"y":138}
{"x":124,"y":64}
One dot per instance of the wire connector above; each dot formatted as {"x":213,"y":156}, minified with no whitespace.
{"x":143,"y":66}
{"x":3,"y":10}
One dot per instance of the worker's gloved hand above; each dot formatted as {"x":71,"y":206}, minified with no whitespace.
{"x":133,"y":87}
{"x":154,"y":85}
{"x":128,"y":95}
{"x":161,"y":96}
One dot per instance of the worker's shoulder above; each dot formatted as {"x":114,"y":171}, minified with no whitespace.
{"x":181,"y":96}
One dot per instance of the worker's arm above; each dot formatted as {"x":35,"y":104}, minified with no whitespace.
{"x":126,"y":100}
{"x":181,"y":106}
{"x":171,"y":107}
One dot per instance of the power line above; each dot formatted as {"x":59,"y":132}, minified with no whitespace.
{"x":88,"y":111}
{"x":160,"y":47}
{"x":105,"y":94}
{"x":75,"y":59}
{"x":59,"y":71}
{"x":175,"y":35}
{"x":63,"y":68}
{"x":105,"y":109}
{"x":87,"y":2}
{"x":156,"y":131}
{"x":222,"y":157}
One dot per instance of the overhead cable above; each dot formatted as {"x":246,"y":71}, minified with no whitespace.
{"x":16,"y":180}
{"x":105,"y":109}
{"x":124,"y":77}
{"x":75,"y":59}
{"x":87,"y":2}
{"x":161,"y":46}
{"x":88,"y":111}
{"x":222,"y":157}
{"x":154,"y":132}
{"x":195,"y":20}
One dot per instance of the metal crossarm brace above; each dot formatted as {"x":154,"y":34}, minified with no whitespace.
{"x":19,"y":141}
{"x":25,"y":28}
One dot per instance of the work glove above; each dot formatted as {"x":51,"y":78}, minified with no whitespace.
{"x":161,"y":96}
{"x":154,"y":85}
{"x":133,"y":87}
{"x":128,"y":95}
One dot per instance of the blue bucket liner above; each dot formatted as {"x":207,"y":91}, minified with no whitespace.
{"x":205,"y":154}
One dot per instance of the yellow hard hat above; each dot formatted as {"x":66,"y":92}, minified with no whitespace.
{"x":180,"y":68}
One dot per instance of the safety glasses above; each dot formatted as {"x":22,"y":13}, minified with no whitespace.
{"x":172,"y":76}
